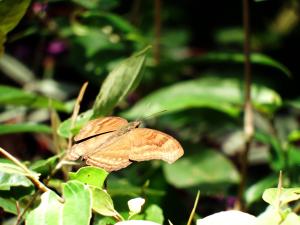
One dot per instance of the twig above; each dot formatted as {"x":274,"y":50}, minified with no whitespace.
{"x":157,"y":28}
{"x":76,"y":111}
{"x":194,"y":209}
{"x":248,"y":116}
{"x":73,"y":120}
{"x":31,"y":176}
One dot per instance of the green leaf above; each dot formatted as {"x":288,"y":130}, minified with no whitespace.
{"x":200,"y":169}
{"x":24,"y":127}
{"x":121,"y":80}
{"x":285,"y":195}
{"x":90,"y":175}
{"x":102,"y":202}
{"x":222,"y":94}
{"x":11,"y":13}
{"x":13,"y":180}
{"x":48,"y":212}
{"x":64,"y":129}
{"x":77,"y":203}
{"x":13,"y":176}
{"x":14,"y":96}
{"x":44,"y":166}
{"x":256,"y":58}
{"x":8,"y":167}
{"x":154,"y":213}
{"x":76,"y":209}
{"x":8,"y":205}
{"x":254,"y":192}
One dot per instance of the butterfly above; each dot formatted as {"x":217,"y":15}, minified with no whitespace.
{"x":113,"y":143}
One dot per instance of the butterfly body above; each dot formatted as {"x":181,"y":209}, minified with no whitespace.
{"x":115,"y":143}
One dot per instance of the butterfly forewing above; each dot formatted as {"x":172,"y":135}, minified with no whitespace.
{"x":99,"y":126}
{"x":89,"y":146}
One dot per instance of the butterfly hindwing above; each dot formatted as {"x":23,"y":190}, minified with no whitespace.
{"x":148,"y":144}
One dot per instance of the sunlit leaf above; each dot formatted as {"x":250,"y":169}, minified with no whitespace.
{"x":48,"y":212}
{"x":14,"y":96}
{"x":120,"y":81}
{"x":285,"y":195}
{"x":201,"y":169}
{"x":77,"y":202}
{"x":154,"y":213}
{"x":24,"y":127}
{"x":222,"y":94}
{"x":102,"y":202}
{"x":11,"y":13}
{"x":90,"y":175}
{"x":75,"y":210}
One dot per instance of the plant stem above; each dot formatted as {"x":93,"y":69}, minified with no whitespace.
{"x":194,"y":209}
{"x":32,"y":177}
{"x":157,"y":28}
{"x":248,"y":110}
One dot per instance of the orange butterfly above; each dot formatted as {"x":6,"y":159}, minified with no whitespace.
{"x":112,"y":144}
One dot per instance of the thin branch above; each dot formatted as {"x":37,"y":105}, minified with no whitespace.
{"x":194,"y":209}
{"x":248,"y":110}
{"x":157,"y":28}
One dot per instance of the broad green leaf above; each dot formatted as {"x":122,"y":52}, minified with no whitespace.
{"x":102,"y":202}
{"x":14,"y":96}
{"x":48,"y":212}
{"x":44,"y":166}
{"x":13,"y":180}
{"x":120,"y":81}
{"x":78,"y":203}
{"x":64,"y":129}
{"x":222,"y":94}
{"x":90,"y":175}
{"x":285,"y":195}
{"x":256,"y":58}
{"x":8,"y":205}
{"x":24,"y":127}
{"x":11,"y":13}
{"x":12,"y":175}
{"x":254,"y":192}
{"x":75,"y":210}
{"x":201,"y":169}
{"x":154,"y":213}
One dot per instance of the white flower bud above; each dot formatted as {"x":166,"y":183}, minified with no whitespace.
{"x":135,"y":205}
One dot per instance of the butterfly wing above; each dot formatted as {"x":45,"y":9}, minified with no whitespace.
{"x":148,"y":144}
{"x":89,"y":146}
{"x":113,"y":156}
{"x":99,"y":126}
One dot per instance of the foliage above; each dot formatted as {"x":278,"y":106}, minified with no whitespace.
{"x":194,"y":93}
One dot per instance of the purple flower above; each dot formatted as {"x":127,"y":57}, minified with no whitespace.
{"x":38,"y":7}
{"x":56,"y":47}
